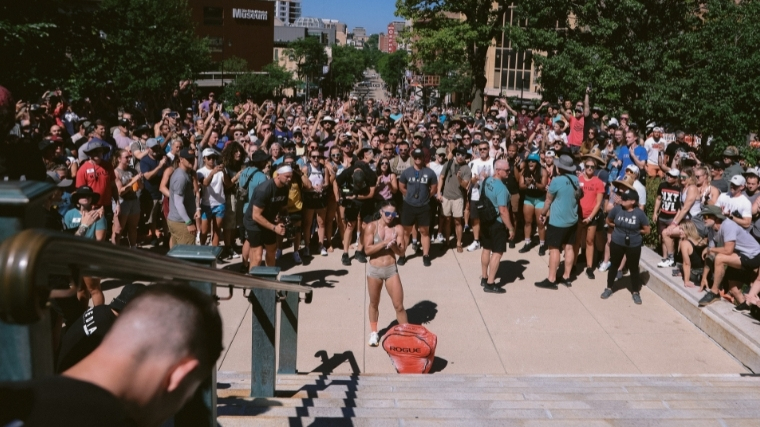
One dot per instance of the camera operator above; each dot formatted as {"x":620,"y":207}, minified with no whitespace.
{"x":294,"y":215}
{"x":355,"y":188}
{"x":263,"y":218}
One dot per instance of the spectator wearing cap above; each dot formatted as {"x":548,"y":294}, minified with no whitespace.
{"x":577,"y":124}
{"x":417,"y":184}
{"x":183,"y":210}
{"x":124,"y":139}
{"x":139,"y":148}
{"x":716,"y":177}
{"x":98,"y":174}
{"x":299,"y":141}
{"x":561,"y":198}
{"x":733,"y":254}
{"x":629,"y":224}
{"x":633,"y":171}
{"x":88,"y":222}
{"x":734,"y":204}
{"x":356,"y":186}
{"x":418,"y":144}
{"x":731,"y":162}
{"x":327,"y":133}
{"x":153,"y":166}
{"x":667,"y":203}
{"x":87,"y":332}
{"x":211,"y":180}
{"x":655,"y":147}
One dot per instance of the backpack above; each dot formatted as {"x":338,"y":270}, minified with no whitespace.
{"x":578,"y":190}
{"x":486,"y":209}
{"x":242,"y":192}
{"x":411,"y":348}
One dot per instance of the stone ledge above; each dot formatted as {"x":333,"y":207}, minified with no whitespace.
{"x":735,"y":332}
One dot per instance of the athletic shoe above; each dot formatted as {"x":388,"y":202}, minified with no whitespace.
{"x":708,"y":299}
{"x":525,"y":248}
{"x":590,"y":273}
{"x":345,"y":259}
{"x":277,"y":254}
{"x":567,"y":282}
{"x":401,"y":260}
{"x":542,"y":250}
{"x":323,"y":251}
{"x":426,"y":260}
{"x":483,"y":282}
{"x":474,"y":246}
{"x":439,"y":239}
{"x":546,"y":284}
{"x":742,"y":308}
{"x":619,"y":275}
{"x":668,"y":262}
{"x":306,"y":251}
{"x":359,"y":256}
{"x":604,"y":266}
{"x":416,"y":247}
{"x":512,"y":244}
{"x":374,"y":339}
{"x":493,"y":289}
{"x":297,"y":258}
{"x":636,"y":298}
{"x":234,"y":255}
{"x":607,"y":293}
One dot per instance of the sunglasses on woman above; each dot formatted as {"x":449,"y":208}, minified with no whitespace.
{"x":390,"y":214}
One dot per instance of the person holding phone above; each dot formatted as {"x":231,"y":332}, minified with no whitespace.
{"x":88,"y":222}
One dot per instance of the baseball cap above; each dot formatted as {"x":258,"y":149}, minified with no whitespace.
{"x":630,"y":195}
{"x":674,"y":173}
{"x":419,"y":135}
{"x":187,"y":154}
{"x":718,"y":165}
{"x":549,"y":153}
{"x":460,"y":150}
{"x":151,"y":142}
{"x":128,"y":292}
{"x":417,"y":152}
{"x":738,"y":180}
{"x":440,"y":151}
{"x":752,"y":171}
{"x":712,"y":210}
{"x":54,"y":178}
{"x":633,"y":168}
{"x":209,"y":152}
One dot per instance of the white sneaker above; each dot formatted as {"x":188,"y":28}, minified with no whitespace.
{"x":306,"y":251}
{"x":667,"y":262}
{"x":439,"y":239}
{"x":297,"y":257}
{"x":604,"y":266}
{"x":474,"y":246}
{"x":374,"y":339}
{"x":277,"y":254}
{"x":323,"y":251}
{"x":235,"y":255}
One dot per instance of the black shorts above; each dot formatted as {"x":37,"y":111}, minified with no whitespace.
{"x":558,"y":237}
{"x":494,"y":237}
{"x":361,"y":209}
{"x":743,"y":275}
{"x":750,"y":263}
{"x":258,"y":237}
{"x":419,"y":215}
{"x":474,"y":210}
{"x":313,"y":200}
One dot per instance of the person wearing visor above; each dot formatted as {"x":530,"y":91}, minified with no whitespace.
{"x":629,"y":226}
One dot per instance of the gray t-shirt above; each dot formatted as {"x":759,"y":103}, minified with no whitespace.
{"x":745,"y":243}
{"x":181,"y":185}
{"x":418,"y":183}
{"x":628,"y":223}
{"x":451,"y":188}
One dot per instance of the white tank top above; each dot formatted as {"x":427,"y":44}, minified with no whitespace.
{"x":316,"y":175}
{"x":696,"y":208}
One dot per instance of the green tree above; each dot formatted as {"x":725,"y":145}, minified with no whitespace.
{"x":392,"y":68}
{"x":459,"y":31}
{"x":310,"y":57}
{"x":148,"y":46}
{"x":234,"y":64}
{"x":346,"y":69}
{"x":261,"y":85}
{"x":371,"y":51}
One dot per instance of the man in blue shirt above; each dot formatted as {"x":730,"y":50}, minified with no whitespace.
{"x":631,"y":154}
{"x":494,"y":236}
{"x":560,"y":234}
{"x":250,"y":178}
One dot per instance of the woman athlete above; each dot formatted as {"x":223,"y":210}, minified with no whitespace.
{"x":383,"y":242}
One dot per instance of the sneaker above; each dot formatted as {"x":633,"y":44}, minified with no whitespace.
{"x":636,"y":298}
{"x":525,"y":248}
{"x":619,"y":275}
{"x":306,"y":251}
{"x":604,"y":266}
{"x":667,"y":262}
{"x":467,"y":229}
{"x":439,"y":239}
{"x":233,"y":254}
{"x":277,"y":254}
{"x":542,"y":250}
{"x":401,"y":260}
{"x":567,"y":282}
{"x":607,"y":293}
{"x":546,"y":284}
{"x":416,"y":247}
{"x":297,"y":258}
{"x":590,"y":273}
{"x":483,"y":282}
{"x":426,"y":260}
{"x":474,"y":246}
{"x":323,"y":251}
{"x":708,"y":299}
{"x":493,"y":289}
{"x":374,"y":339}
{"x":512,"y":244}
{"x":742,"y":308}
{"x":359,"y":256}
{"x":345,"y":259}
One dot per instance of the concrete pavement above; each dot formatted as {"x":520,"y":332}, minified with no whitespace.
{"x":525,"y":331}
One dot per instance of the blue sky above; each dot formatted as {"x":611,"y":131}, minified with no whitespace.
{"x":374,"y":15}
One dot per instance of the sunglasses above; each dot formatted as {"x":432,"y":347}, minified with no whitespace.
{"x":684,"y":177}
{"x":335,"y":156}
{"x":314,"y":157}
{"x":403,"y":151}
{"x":589,"y":166}
{"x":384,"y":164}
{"x":390,"y":214}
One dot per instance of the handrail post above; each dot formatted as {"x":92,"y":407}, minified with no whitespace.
{"x":26,"y":350}
{"x":289,"y":328}
{"x":263,"y":304}
{"x":200,"y":410}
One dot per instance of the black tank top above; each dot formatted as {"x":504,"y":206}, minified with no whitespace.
{"x":696,"y":255}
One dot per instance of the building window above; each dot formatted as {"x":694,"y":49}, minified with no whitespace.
{"x":213,"y":16}
{"x":215,"y":44}
{"x":276,"y":55}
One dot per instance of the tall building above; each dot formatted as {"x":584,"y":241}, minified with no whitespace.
{"x":394,"y":28}
{"x":287,"y":11}
{"x":509,"y":71}
{"x":382,"y":42}
{"x":360,"y":36}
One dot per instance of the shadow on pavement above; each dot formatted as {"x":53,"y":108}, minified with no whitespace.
{"x":509,"y":271}
{"x":439,"y":364}
{"x":318,"y":278}
{"x":330,"y":363}
{"x":419,"y":314}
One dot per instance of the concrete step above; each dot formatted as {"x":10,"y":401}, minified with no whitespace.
{"x":504,"y":422}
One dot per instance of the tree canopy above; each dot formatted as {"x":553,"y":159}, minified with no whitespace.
{"x":347,"y":68}
{"x":259,"y":86}
{"x":392,"y":67}
{"x":310,"y":56}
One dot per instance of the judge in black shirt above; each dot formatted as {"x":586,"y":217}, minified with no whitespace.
{"x":261,"y":219}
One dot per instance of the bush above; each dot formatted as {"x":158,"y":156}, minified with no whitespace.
{"x":652,"y":240}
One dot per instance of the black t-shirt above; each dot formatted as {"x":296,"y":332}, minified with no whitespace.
{"x":270,"y":198}
{"x":346,"y":178}
{"x":84,"y":335}
{"x":60,"y":401}
{"x":670,"y":200}
{"x":674,"y":147}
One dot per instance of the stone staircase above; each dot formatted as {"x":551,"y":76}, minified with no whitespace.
{"x":498,"y":400}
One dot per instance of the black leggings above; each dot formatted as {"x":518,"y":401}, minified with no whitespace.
{"x":632,"y":256}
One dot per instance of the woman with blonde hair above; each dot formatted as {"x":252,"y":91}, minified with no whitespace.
{"x":691,"y":206}
{"x":692,"y":245}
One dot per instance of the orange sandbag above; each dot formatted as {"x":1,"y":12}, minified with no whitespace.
{"x":411,"y":348}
